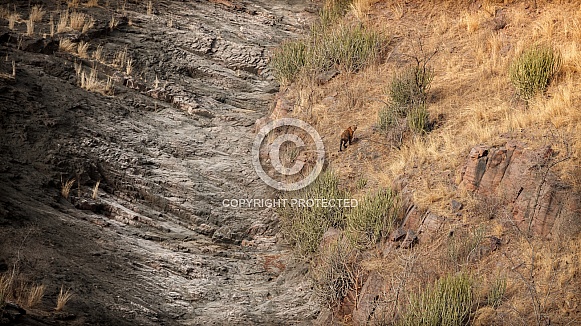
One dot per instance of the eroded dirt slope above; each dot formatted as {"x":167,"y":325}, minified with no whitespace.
{"x":156,"y":246}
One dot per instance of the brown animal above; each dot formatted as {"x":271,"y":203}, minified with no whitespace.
{"x":347,"y":136}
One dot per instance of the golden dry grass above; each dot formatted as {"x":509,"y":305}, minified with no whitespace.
{"x":63,"y":298}
{"x":30,"y":27}
{"x":13,"y":18}
{"x":36,"y":13}
{"x":77,"y":20}
{"x":66,"y":188}
{"x":82,"y":49}
{"x":92,"y":3}
{"x":63,"y":22}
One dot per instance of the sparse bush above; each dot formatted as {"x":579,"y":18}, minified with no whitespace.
{"x":496,"y":292}
{"x":464,"y":246}
{"x":344,"y":47}
{"x":304,"y":226}
{"x":448,"y":302}
{"x":334,"y":274}
{"x":408,"y":99}
{"x":532,"y":71}
{"x":410,"y":88}
{"x":374,"y":217}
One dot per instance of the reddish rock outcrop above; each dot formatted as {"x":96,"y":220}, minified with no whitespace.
{"x":521,"y":178}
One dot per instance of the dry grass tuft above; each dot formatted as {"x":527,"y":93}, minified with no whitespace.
{"x":98,"y":54}
{"x":73,"y":3}
{"x":77,"y":20}
{"x":82,"y":48}
{"x":67,"y":45}
{"x":96,"y":190}
{"x":62,"y":25}
{"x":93,"y":3}
{"x":66,"y":188}
{"x":88,"y":24}
{"x":36,"y":13}
{"x":113,"y":23}
{"x":63,"y":298}
{"x":12,"y":19}
{"x":30,"y":27}
{"x":149,"y":8}
{"x":35,"y":295}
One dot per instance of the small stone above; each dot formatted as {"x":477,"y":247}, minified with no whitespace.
{"x":456,"y":205}
{"x":397,"y":235}
{"x":410,"y":239}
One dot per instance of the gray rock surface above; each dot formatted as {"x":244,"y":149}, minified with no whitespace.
{"x":156,"y":247}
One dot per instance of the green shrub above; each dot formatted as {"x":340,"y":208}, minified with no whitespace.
{"x":374,"y":217}
{"x":288,"y":61}
{"x":448,"y":302}
{"x":347,"y":48}
{"x":303,"y":226}
{"x":496,"y":292}
{"x":418,"y":119}
{"x":410,"y":88}
{"x":532,"y":71}
{"x":333,"y":276}
{"x":408,"y":99}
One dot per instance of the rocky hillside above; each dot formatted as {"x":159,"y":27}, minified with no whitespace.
{"x":488,"y":172}
{"x":124,"y":124}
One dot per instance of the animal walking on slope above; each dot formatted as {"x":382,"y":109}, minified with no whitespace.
{"x":347,"y":136}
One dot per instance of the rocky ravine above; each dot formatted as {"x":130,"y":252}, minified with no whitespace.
{"x":156,"y":247}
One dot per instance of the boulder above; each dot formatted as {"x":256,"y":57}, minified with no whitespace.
{"x":522,"y":178}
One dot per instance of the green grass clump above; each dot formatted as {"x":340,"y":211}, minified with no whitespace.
{"x":373,"y":218}
{"x":289,"y":60}
{"x":304,"y":226}
{"x":333,"y":276}
{"x":532,"y":71}
{"x":448,"y":302}
{"x":333,"y":10}
{"x":345,"y":47}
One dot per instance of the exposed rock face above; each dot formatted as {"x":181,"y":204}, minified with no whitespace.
{"x":522,"y":178}
{"x":157,"y":246}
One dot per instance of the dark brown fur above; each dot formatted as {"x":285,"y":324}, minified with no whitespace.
{"x":347,"y":137}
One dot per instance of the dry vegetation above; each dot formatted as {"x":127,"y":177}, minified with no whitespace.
{"x":471,"y":100}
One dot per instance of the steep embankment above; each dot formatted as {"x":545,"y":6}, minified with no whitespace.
{"x":170,"y":139}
